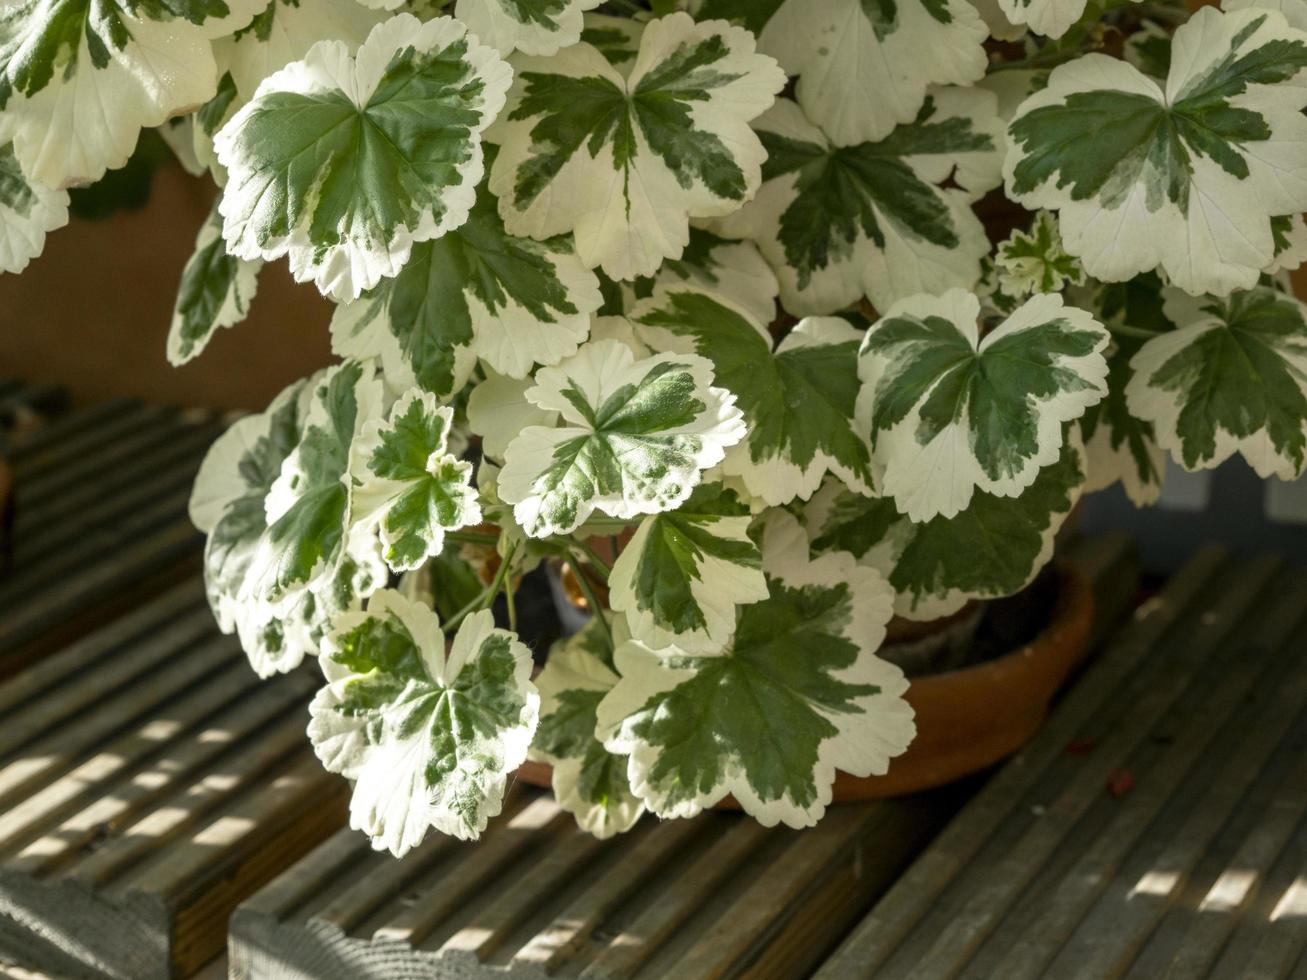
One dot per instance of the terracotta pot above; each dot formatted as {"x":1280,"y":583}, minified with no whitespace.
{"x":971,"y":718}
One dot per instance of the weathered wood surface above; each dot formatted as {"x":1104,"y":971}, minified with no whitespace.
{"x":149,"y":782}
{"x":1157,"y":827}
{"x":711,"y":897}
{"x":100,"y":521}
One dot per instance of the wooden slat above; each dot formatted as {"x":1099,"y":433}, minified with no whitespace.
{"x":716,"y":896}
{"x":101,"y":522}
{"x":148,"y":783}
{"x":1196,"y":716}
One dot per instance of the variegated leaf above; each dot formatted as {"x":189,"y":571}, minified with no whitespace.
{"x":1232,"y":379}
{"x":538,"y":27}
{"x":798,"y":694}
{"x":874,"y":219}
{"x":27,"y":212}
{"x":215,"y":292}
{"x":428,"y":736}
{"x":994,"y":547}
{"x":624,"y":163}
{"x":408,"y":485}
{"x":679,"y":579}
{"x":589,"y":781}
{"x":345,"y":162}
{"x":951,"y":414}
{"x":635,"y":438}
{"x":1183,"y":177}
{"x":798,"y":401}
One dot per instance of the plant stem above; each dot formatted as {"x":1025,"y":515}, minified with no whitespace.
{"x":601,"y":566}
{"x":472,"y":537}
{"x":487,"y":595}
{"x":1139,"y":332}
{"x":592,"y":601}
{"x":510,"y":597}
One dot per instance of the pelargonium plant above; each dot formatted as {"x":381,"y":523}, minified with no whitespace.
{"x":772,"y":319}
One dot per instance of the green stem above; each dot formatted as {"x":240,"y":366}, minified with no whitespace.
{"x":601,"y":566}
{"x":472,"y":537}
{"x":510,"y":596}
{"x":592,"y":601}
{"x":487,"y":596}
{"x":1139,"y":332}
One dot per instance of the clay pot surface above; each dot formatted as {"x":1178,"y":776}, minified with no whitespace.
{"x":970,"y":718}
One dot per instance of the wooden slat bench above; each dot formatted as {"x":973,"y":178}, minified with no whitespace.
{"x":714,"y":896}
{"x":148,"y":782}
{"x":1157,"y":827}
{"x":101,"y":520}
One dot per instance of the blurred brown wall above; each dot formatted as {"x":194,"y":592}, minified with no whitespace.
{"x":93,"y":311}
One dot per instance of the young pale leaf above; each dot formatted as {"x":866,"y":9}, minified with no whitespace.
{"x":1033,"y":261}
{"x":1184,"y":178}
{"x":635,"y":439}
{"x":27,"y":212}
{"x":625,"y":163}
{"x":1294,"y":11}
{"x":408,"y":485}
{"x":538,"y":27}
{"x":1052,"y":18}
{"x":429,"y":737}
{"x":992,"y":548}
{"x":215,"y":292}
{"x":681,"y":576}
{"x":589,"y":781}
{"x":873,"y":219}
{"x":344,"y":163}
{"x":79,"y":80}
{"x":733,"y":270}
{"x":798,"y":694}
{"x":308,"y":505}
{"x":475,"y":291}
{"x":798,"y":402}
{"x":497,"y":410}
{"x":863,"y":66}
{"x":1232,"y":379}
{"x":951,"y":414}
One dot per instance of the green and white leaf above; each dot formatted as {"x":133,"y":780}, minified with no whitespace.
{"x":1290,"y":234}
{"x":733,"y":270}
{"x":1052,"y":18}
{"x":1119,"y":446}
{"x":997,"y":23}
{"x":616,"y":38}
{"x":282,"y":32}
{"x":27,"y":212}
{"x":864,"y":67}
{"x":474,"y":291}
{"x":308,"y":505}
{"x":798,"y":694}
{"x":1232,"y":379}
{"x":227,"y":504}
{"x":681,"y":576}
{"x":539,"y":27}
{"x":798,"y":402}
{"x":951,"y":414}
{"x":343,"y":163}
{"x":1149,"y":49}
{"x":408,"y":485}
{"x":1033,"y":261}
{"x":1184,"y":178}
{"x":80,"y":80}
{"x":874,"y":219}
{"x":428,"y":737}
{"x":1294,"y":11}
{"x":497,"y":411}
{"x":588,"y":781}
{"x":624,"y":163}
{"x":215,"y":292}
{"x":992,"y":548}
{"x":635,"y":439}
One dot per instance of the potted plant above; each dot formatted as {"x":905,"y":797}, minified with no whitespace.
{"x":696,"y":300}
